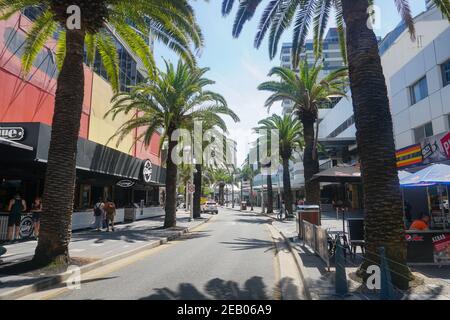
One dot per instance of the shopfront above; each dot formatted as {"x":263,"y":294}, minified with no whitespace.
{"x":102,"y":172}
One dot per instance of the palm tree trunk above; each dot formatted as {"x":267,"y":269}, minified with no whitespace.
{"x":198,"y":190}
{"x":221,"y":188}
{"x":251,"y":194}
{"x":56,"y":221}
{"x":171,"y":186}
{"x":287,"y":191}
{"x":382,"y":200}
{"x":310,"y":161}
{"x":269,"y":194}
{"x":232,"y":194}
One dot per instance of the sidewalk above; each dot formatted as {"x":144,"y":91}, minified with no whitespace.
{"x":433,"y":282}
{"x":91,"y":247}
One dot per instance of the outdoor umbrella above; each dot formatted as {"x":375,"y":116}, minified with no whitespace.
{"x":434,"y":174}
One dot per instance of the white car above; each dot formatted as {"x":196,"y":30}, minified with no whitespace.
{"x":210,"y":206}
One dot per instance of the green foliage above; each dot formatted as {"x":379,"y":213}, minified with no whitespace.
{"x":174,"y":99}
{"x":304,"y":88}
{"x":173,"y":22}
{"x":290,"y":132}
{"x":279,"y":15}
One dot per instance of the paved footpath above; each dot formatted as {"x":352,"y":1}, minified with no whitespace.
{"x":95,"y":246}
{"x":434,"y":282}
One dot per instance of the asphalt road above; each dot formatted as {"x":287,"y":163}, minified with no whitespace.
{"x":231,"y":257}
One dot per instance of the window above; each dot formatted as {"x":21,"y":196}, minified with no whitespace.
{"x":419,"y":90}
{"x":446,"y":73}
{"x":423,"y":132}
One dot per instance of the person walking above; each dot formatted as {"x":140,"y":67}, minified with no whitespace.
{"x":36,"y":209}
{"x":98,"y":214}
{"x":16,"y":206}
{"x":110,"y":212}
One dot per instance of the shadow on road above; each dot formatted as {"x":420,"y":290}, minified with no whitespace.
{"x":219,"y":289}
{"x":251,"y":244}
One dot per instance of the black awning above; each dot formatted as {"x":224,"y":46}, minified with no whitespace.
{"x":91,"y":156}
{"x":15,"y":144}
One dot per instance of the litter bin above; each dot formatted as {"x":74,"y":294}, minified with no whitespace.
{"x":309,"y":214}
{"x":244,"y":205}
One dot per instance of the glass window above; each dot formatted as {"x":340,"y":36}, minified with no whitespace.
{"x":419,"y":90}
{"x":423,"y":132}
{"x":446,"y":73}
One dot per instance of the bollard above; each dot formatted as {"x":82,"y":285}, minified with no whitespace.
{"x":341,"y":275}
{"x":386,"y":290}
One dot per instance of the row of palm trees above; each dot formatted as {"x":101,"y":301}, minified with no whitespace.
{"x":172,"y":22}
{"x":359,"y":46}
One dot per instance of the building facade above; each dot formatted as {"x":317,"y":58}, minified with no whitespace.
{"x":128,"y":173}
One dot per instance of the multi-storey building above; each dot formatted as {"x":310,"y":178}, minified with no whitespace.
{"x":331,"y":57}
{"x":128,"y":173}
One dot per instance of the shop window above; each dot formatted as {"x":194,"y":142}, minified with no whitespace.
{"x":423,"y":132}
{"x":419,"y":90}
{"x":446,"y":73}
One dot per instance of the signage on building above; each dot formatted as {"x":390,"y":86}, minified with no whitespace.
{"x":147,"y":171}
{"x":436,"y":148}
{"x":12,"y":133}
{"x":125,"y":183}
{"x":26,"y":227}
{"x":409,"y":156}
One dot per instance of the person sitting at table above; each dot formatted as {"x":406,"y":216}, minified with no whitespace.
{"x":420,"y":224}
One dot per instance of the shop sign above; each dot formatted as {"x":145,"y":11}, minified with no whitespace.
{"x":414,"y":238}
{"x":436,"y":148}
{"x":125,"y":183}
{"x":409,"y":156}
{"x":147,"y":171}
{"x":26,"y":227}
{"x":441,"y":245}
{"x":12,"y":133}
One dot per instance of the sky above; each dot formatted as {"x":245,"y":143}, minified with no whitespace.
{"x":238,"y":68}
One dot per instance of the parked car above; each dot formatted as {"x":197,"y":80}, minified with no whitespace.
{"x":210,"y":206}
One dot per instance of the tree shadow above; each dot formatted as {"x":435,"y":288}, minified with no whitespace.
{"x":254,"y":288}
{"x":251,"y":244}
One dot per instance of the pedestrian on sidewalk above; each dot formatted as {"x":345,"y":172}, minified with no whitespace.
{"x":99,"y":214}
{"x":36,"y":209}
{"x":16,"y":206}
{"x":110,"y":211}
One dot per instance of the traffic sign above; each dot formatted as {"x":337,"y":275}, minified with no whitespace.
{"x":191,"y":188}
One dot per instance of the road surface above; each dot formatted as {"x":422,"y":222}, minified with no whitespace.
{"x":231,"y":257}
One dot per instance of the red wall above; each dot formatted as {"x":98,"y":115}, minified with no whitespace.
{"x":31,"y":98}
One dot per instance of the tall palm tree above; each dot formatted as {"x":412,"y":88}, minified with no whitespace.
{"x":174,"y":99}
{"x":172,"y":22}
{"x":211,"y":126}
{"x":373,"y":119}
{"x":308,"y":93}
{"x":290,"y":135}
{"x":248,"y":173}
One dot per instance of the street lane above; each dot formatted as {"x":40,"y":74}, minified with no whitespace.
{"x":231,"y":257}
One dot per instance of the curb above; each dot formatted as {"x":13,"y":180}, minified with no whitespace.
{"x":299,"y":263}
{"x":301,"y":268}
{"x":62,"y":277}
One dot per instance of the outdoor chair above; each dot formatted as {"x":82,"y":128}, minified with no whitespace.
{"x":355,"y":229}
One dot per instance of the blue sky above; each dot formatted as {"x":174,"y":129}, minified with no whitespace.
{"x":238,"y":68}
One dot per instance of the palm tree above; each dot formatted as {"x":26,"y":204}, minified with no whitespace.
{"x":221,"y":178}
{"x":265,"y":139}
{"x":290,"y":135}
{"x":211,"y":126}
{"x":373,"y":119}
{"x":174,"y":99}
{"x":249,"y":173}
{"x":172,"y":22}
{"x":309,"y":93}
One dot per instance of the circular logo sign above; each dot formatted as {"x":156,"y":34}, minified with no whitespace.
{"x":26,"y":227}
{"x":125,"y":183}
{"x":147,"y":171}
